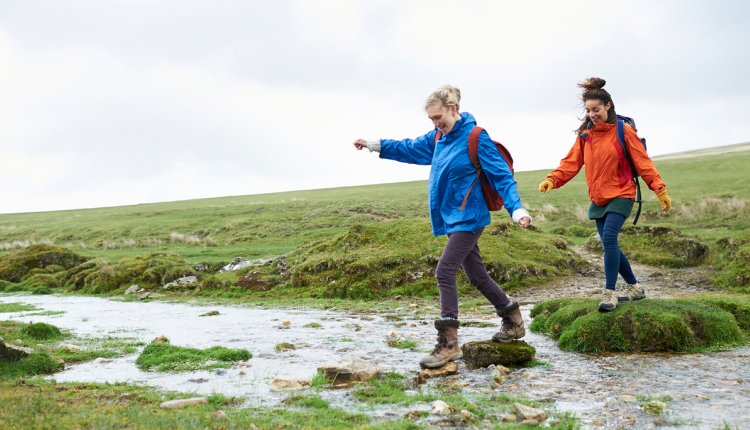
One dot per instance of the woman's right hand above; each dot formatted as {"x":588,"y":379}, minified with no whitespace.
{"x":360,"y":144}
{"x":546,"y":185}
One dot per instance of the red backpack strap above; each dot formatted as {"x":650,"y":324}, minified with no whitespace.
{"x":474,"y":158}
{"x":474,"y":147}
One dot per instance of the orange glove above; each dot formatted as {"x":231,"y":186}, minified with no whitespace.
{"x":547,"y":185}
{"x":666,"y":203}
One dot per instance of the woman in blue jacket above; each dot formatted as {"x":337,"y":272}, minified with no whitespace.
{"x":451,"y":176}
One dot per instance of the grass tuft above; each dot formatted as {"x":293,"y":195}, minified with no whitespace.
{"x":164,"y":357}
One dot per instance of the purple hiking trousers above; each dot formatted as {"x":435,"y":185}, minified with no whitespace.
{"x":462,"y":251}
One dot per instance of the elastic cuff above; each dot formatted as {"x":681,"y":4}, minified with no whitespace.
{"x":519,"y":213}
{"x":373,"y":145}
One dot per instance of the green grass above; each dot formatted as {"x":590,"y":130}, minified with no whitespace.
{"x":401,"y":343}
{"x":16,"y":307}
{"x":42,"y":404}
{"x":651,"y":325}
{"x":164,"y":357}
{"x":48,"y":343}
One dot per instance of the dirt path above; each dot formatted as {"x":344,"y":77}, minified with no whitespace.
{"x":658,"y":282}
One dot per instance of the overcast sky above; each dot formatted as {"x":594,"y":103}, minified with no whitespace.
{"x":107,"y":102}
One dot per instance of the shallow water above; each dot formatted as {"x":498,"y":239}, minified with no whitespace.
{"x":701,"y":390}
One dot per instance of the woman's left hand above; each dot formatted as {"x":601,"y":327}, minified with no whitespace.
{"x":524,"y":222}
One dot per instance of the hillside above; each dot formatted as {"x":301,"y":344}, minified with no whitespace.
{"x":709,"y":192}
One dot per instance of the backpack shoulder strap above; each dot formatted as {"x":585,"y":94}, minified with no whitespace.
{"x":474,"y":158}
{"x":623,"y":143}
{"x":474,"y":147}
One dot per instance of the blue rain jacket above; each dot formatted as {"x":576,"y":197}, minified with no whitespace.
{"x":452,"y":173}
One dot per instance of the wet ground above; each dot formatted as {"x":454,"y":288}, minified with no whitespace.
{"x":700,"y":390}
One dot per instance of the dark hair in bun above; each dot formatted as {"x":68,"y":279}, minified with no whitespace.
{"x":593,"y":89}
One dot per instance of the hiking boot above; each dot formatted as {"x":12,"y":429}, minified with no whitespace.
{"x":609,"y":301}
{"x":512,"y":327}
{"x":632,"y":292}
{"x":446,"y":348}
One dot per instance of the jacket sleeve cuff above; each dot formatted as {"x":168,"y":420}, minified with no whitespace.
{"x":519,"y":213}
{"x":373,"y":145}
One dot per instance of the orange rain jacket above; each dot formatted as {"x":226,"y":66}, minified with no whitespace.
{"x":608,"y":172}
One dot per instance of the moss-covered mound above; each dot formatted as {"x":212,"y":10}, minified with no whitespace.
{"x":648,"y":325}
{"x":42,"y":331}
{"x":36,"y":363}
{"x":658,"y":246}
{"x":163,"y":357}
{"x":732,"y":259}
{"x":485,"y":352}
{"x":399,"y":258}
{"x":100,"y":276}
{"x":40,"y":258}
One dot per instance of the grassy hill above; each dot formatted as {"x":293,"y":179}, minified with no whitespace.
{"x":709,"y":190}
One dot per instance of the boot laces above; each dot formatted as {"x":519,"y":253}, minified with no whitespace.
{"x":508,"y":324}
{"x":441,"y":342}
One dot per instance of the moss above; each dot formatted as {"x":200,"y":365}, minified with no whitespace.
{"x":736,"y":304}
{"x":483,"y":353}
{"x":731,"y":259}
{"x":646,"y":325}
{"x":16,"y":265}
{"x":370,"y":261}
{"x":42,"y":331}
{"x":36,"y":363}
{"x":148,"y":271}
{"x":165,"y":357}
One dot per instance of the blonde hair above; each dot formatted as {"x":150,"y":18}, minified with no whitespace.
{"x":447,"y":95}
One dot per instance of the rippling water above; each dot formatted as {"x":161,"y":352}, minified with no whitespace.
{"x":701,"y":390}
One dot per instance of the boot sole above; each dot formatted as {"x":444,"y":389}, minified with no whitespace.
{"x":507,"y":340}
{"x":628,"y":299}
{"x":606,"y":308}
{"x":425,"y":366}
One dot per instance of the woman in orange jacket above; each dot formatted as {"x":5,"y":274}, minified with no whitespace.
{"x":609,"y":179}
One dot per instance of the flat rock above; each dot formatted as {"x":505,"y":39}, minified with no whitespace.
{"x":525,"y":414}
{"x":450,"y":368}
{"x":13,"y":352}
{"x":289,"y":384}
{"x":345,"y":372}
{"x":486,"y":352}
{"x":181,"y":403}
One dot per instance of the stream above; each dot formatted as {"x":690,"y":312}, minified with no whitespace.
{"x":708,"y":390}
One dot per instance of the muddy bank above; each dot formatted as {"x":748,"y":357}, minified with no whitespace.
{"x":699,"y":390}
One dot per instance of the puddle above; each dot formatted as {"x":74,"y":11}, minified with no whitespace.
{"x":701,"y":390}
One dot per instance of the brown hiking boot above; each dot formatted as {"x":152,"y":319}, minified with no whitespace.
{"x":512,"y":327}
{"x":632,"y":292}
{"x":447,"y":348}
{"x":609,"y":301}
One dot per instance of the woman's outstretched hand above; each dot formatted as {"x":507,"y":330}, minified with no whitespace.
{"x":360,"y":144}
{"x":524,"y":222}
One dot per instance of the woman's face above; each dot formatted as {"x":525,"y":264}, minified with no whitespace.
{"x":442,"y":117}
{"x":597,"y":111}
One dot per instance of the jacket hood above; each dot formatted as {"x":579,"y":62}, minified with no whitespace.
{"x":467,"y":119}
{"x":604,"y":126}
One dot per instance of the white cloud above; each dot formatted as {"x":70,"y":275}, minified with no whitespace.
{"x":128,"y":102}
